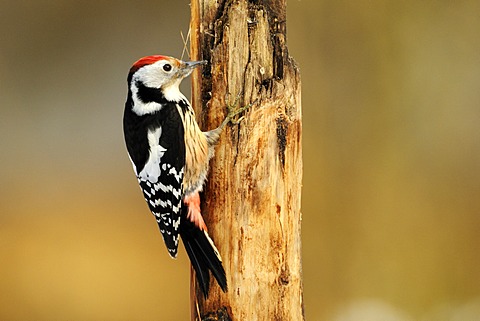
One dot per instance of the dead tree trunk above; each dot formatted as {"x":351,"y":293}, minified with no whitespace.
{"x":252,"y":199}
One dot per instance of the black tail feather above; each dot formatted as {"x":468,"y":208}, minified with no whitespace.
{"x":203,"y":256}
{"x":201,"y":269}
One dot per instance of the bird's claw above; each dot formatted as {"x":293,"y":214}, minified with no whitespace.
{"x":237,"y":121}
{"x":234,"y":111}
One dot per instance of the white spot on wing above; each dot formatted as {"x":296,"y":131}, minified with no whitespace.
{"x":164,"y":204}
{"x":176,"y":224}
{"x":178,"y":176}
{"x":176,"y":209}
{"x":177,"y":193}
{"x":147,"y":194}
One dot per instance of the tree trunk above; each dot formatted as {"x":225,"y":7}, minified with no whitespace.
{"x":251,"y":202}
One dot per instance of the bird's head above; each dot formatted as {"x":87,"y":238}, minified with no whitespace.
{"x":155,"y":80}
{"x":161,"y":71}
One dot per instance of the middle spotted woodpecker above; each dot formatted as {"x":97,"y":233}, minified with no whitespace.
{"x":170,"y":156}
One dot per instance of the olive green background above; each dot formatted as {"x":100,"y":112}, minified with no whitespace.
{"x":391,"y":188}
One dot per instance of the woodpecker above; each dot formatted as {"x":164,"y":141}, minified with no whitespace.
{"x":170,"y":157}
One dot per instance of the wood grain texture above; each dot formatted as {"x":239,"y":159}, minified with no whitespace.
{"x":252,"y":198}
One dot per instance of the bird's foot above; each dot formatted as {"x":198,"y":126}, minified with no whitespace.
{"x":233,"y":110}
{"x":194,"y":215}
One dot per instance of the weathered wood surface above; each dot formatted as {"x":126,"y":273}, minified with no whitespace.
{"x":252,"y":198}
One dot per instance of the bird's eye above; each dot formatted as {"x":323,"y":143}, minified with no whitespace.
{"x":167,"y":67}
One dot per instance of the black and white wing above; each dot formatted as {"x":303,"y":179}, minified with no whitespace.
{"x":160,"y":172}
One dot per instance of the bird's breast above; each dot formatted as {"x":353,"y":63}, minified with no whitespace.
{"x":196,"y":155}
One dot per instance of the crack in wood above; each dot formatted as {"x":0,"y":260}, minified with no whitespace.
{"x":282,"y":131}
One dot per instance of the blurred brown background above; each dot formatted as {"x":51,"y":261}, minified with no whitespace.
{"x":391,"y":197}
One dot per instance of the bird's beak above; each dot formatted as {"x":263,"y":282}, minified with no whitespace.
{"x":188,"y":66}
{"x":193,"y":64}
